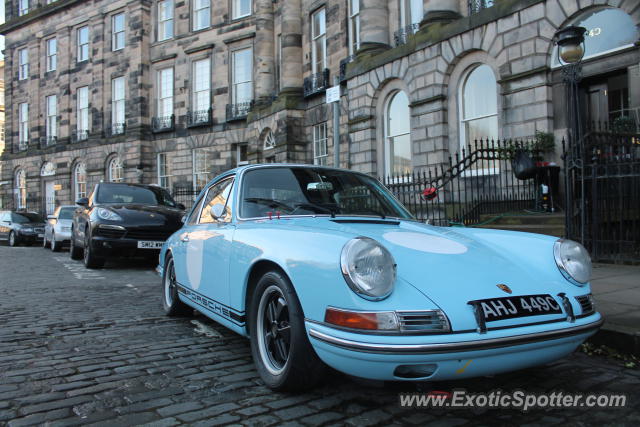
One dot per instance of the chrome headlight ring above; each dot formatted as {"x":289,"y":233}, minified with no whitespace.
{"x":368,"y":268}
{"x":573,"y":261}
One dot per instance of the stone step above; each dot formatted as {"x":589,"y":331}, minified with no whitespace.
{"x":548,"y":229}
{"x":524,"y":219}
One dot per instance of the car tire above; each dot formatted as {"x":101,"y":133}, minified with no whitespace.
{"x":90,"y":259}
{"x":44,"y":242}
{"x":74,"y":251}
{"x":55,"y":246}
{"x":281,"y":351}
{"x":170,"y":301}
{"x":13,"y":239}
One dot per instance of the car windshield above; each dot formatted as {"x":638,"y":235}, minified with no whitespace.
{"x":315,"y":191}
{"x":125,"y":193}
{"x":66,"y":213}
{"x":24,"y":217}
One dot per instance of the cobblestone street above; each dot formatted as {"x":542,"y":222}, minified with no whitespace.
{"x":93,"y":347}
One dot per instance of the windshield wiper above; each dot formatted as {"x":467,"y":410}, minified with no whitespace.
{"x":269,"y":202}
{"x":315,"y":206}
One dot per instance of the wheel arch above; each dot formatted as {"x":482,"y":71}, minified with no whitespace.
{"x":257,"y":270}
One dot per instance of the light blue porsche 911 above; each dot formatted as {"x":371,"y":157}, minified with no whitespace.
{"x":322,"y":266}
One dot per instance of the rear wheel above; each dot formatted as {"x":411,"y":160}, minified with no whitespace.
{"x":170,"y":301}
{"x":74,"y":251}
{"x":90,"y":258}
{"x":280,"y":348}
{"x":13,"y":239}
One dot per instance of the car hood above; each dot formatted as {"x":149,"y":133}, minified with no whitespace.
{"x":136,"y":214}
{"x":452,"y":266}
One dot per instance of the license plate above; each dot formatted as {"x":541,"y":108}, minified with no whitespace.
{"x":40,"y":235}
{"x":512,"y":307}
{"x":144,"y":244}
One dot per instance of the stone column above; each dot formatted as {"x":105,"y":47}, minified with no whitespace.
{"x":443,"y":11}
{"x":264,"y":51}
{"x":291,"y":61}
{"x":374,"y":26}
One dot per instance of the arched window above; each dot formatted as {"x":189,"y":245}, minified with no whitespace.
{"x":478,"y":102}
{"x":80,"y":180}
{"x":397,"y":141}
{"x":269,"y":141}
{"x":20,"y":185}
{"x":115,"y":170}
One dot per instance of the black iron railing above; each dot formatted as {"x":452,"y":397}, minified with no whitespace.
{"x":185,"y":195}
{"x":402,"y":35}
{"x":238,"y":111}
{"x":116,"y":129}
{"x":163,"y":124}
{"x":79,"y":135}
{"x":343,"y":66}
{"x":199,"y":118}
{"x":476,"y":6}
{"x":475,"y":182}
{"x":316,"y":83}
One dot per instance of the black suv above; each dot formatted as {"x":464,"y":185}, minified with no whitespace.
{"x":21,"y":227}
{"x":120,"y":219}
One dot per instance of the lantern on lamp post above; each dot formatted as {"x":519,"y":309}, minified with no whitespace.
{"x":571,"y":48}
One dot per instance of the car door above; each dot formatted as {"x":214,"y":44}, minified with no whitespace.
{"x":208,"y":248}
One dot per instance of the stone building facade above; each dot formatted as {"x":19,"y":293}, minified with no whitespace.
{"x":173,"y":92}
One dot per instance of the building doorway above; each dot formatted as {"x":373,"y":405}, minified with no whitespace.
{"x":607,"y":102}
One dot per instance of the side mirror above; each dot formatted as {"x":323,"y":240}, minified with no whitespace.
{"x":181,"y":206}
{"x":217,"y":211}
{"x":183,"y":219}
{"x":83,"y":201}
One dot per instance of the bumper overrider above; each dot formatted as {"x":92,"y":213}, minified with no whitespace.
{"x":449,"y":355}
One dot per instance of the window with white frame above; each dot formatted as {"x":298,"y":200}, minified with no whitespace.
{"x":164,"y":171}
{"x":202,"y":163}
{"x":20,"y":186}
{"x":201,"y":14}
{"x":165,"y":92}
{"x":83,"y":43}
{"x":242,"y":157}
{"x":202,"y":85}
{"x":52,"y":118}
{"x":117,"y":105}
{"x":354,"y":26}
{"x":397,"y":144}
{"x":52,"y":54}
{"x":165,"y":20}
{"x":23,"y":7}
{"x":411,"y":12}
{"x":23,"y":128}
{"x":23,"y":64}
{"x":115,"y":170}
{"x":478,"y":100}
{"x":278,"y":63}
{"x":320,"y":151}
{"x":80,"y":180}
{"x":117,"y":32}
{"x":82,"y":113}
{"x":318,"y":41}
{"x":242,"y":90}
{"x":241,"y":8}
{"x":269,"y":141}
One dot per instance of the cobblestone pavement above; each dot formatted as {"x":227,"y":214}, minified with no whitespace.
{"x":79,"y":347}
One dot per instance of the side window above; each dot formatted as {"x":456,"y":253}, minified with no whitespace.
{"x":218,"y":194}
{"x":195,"y":214}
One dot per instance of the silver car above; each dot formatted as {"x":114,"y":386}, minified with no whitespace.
{"x":57,"y":232}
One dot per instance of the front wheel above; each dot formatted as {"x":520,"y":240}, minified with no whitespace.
{"x":44,"y":242}
{"x":280,"y":348}
{"x":89,"y":257}
{"x":170,"y":301}
{"x":13,"y":239}
{"x":55,"y":246}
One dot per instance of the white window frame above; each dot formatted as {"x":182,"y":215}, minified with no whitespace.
{"x":23,"y":64}
{"x":322,"y":36}
{"x":118,"y":36}
{"x":118,"y":102}
{"x":354,"y":26}
{"x":165,"y":94}
{"x":236,"y":12}
{"x":115,"y":170}
{"x":52,"y":54}
{"x":388,"y":161}
{"x":462,"y":119}
{"x":241,"y":151}
{"x":23,"y":7}
{"x":83,"y":47}
{"x":82,"y":112}
{"x":236,"y":83}
{"x":320,"y":144}
{"x":201,"y":96}
{"x":408,"y":11}
{"x":21,"y":188}
{"x":201,"y":8}
{"x":80,"y":185}
{"x":51,"y":103}
{"x":23,"y":127}
{"x":165,"y":20}
{"x":164,"y":170}
{"x":278,"y":74}
{"x":197,"y":172}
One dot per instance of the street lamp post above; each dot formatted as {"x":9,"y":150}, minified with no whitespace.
{"x":570,"y":42}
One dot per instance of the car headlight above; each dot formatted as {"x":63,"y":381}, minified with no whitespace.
{"x":108,"y":215}
{"x":368,"y":268}
{"x":573,"y":260}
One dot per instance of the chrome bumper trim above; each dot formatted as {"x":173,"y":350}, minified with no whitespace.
{"x":455,"y":347}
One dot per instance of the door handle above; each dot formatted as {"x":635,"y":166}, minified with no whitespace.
{"x":185,"y":238}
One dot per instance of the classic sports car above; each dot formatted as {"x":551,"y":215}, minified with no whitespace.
{"x":121,"y":219}
{"x":324,"y":266}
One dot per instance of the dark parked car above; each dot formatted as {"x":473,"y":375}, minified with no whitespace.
{"x":21,"y":227}
{"x":121,"y":219}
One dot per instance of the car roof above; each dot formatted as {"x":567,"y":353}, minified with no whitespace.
{"x":130,"y":184}
{"x":240,"y":169}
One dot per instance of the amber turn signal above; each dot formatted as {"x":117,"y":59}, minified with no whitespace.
{"x":361,"y":320}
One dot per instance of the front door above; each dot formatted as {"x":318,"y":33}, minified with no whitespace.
{"x":49,"y":197}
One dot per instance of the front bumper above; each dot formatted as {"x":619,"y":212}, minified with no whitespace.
{"x":30,"y":237}
{"x":105,"y":246}
{"x":62,"y":236}
{"x":448,"y":356}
